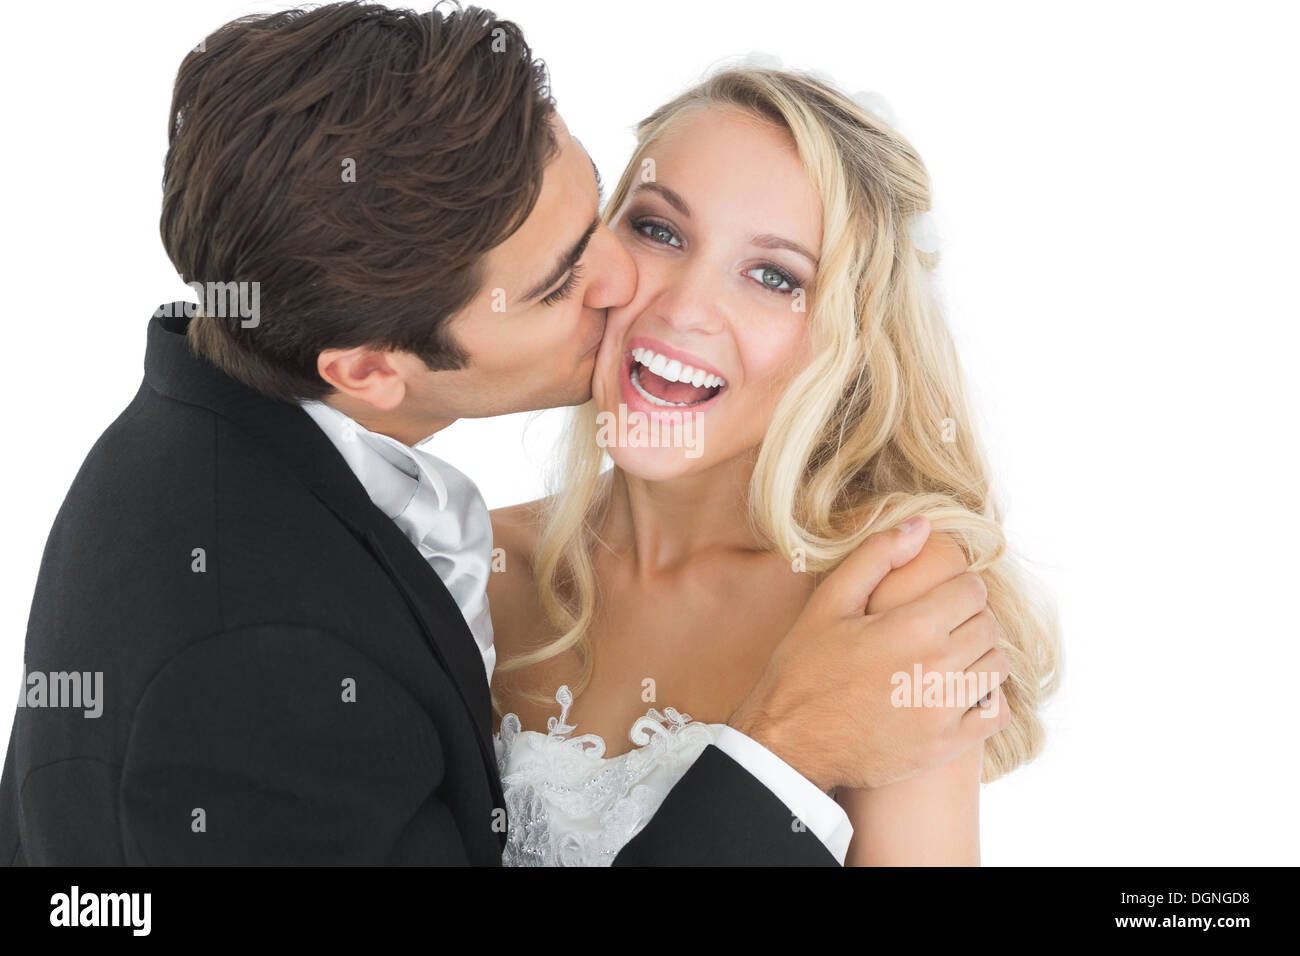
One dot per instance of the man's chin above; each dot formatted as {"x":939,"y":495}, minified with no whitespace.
{"x":577,"y":393}
{"x":577,"y":396}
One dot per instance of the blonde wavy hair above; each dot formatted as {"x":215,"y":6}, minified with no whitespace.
{"x":874,"y":430}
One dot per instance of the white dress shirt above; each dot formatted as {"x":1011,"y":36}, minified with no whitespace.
{"x":443,"y":514}
{"x":437,"y":507}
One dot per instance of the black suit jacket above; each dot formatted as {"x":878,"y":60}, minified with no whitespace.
{"x":284,"y":678}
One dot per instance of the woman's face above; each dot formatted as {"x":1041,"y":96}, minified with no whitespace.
{"x":725,"y":230}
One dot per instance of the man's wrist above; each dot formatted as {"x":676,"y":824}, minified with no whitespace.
{"x":769,"y":732}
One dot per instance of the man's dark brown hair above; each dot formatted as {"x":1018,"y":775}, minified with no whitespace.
{"x":446,"y":120}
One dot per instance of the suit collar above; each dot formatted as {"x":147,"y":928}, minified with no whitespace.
{"x":172,"y":369}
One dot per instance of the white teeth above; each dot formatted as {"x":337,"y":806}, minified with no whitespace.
{"x":674,"y":371}
{"x":652,"y":399}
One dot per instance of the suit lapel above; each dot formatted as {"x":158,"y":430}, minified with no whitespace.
{"x":442,"y":622}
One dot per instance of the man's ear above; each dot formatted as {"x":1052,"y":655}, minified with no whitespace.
{"x":365,"y":374}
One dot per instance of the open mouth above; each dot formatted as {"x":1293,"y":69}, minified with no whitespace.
{"x":668,"y":383}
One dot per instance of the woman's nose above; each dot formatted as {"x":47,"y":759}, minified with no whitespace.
{"x":613,"y":271}
{"x":691,"y":298}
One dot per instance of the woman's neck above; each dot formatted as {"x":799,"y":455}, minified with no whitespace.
{"x":660,"y":525}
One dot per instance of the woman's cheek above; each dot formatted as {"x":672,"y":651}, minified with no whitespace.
{"x":776,"y":352}
{"x":776,"y":368}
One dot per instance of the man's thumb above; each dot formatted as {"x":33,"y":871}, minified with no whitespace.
{"x":850,"y":585}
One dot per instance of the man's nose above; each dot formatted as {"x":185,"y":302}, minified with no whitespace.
{"x":613,"y":273}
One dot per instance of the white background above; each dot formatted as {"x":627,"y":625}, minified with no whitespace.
{"x":1116,"y":191}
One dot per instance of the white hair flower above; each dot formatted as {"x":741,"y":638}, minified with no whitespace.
{"x":922,"y":226}
{"x":924,"y":231}
{"x":877,"y":106}
{"x":757,"y":60}
{"x":754,"y":60}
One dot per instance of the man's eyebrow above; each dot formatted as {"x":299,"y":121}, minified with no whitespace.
{"x":567,"y":261}
{"x":769,"y":241}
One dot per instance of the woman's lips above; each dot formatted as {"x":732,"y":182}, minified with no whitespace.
{"x":635,"y":401}
{"x":668,"y":351}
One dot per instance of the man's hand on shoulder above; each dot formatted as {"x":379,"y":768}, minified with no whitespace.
{"x":825,"y":703}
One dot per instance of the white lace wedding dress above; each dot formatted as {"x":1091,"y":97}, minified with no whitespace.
{"x":568,"y":804}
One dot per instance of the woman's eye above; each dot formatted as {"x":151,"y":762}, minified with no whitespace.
{"x":656,"y":232}
{"x":772,"y":278}
{"x":768,"y":276}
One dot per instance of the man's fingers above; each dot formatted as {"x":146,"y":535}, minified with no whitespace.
{"x":991,"y":670}
{"x":973,"y":639}
{"x":848,"y":587}
{"x":951,"y":604}
{"x":984,"y":720}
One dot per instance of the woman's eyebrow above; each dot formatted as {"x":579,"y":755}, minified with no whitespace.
{"x":672,"y":198}
{"x":769,"y":241}
{"x":765,"y":240}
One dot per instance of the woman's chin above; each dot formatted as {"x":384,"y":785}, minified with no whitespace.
{"x":654,"y":464}
{"x":650,"y":442}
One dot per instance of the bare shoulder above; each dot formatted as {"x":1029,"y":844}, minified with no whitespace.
{"x":511,"y":590}
{"x":516,"y":528}
{"x":940,"y":559}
